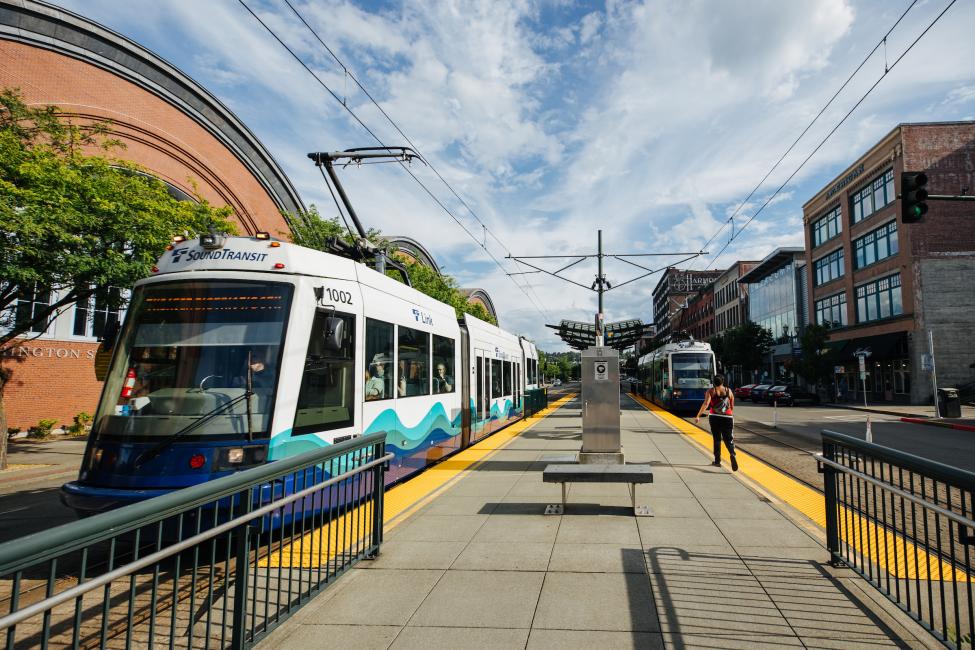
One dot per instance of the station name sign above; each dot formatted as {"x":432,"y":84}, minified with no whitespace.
{"x":846,"y":180}
{"x":25,"y":351}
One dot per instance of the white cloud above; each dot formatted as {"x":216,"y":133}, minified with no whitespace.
{"x":649,"y":120}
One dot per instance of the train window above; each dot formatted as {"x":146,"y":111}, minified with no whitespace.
{"x":506,"y":381}
{"x":413,"y":363}
{"x":443,"y":364}
{"x":496,"y":378}
{"x":379,"y":356}
{"x":327,"y":393}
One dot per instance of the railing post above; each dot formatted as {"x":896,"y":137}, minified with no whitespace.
{"x":832,"y":510}
{"x":378,"y":489}
{"x":241,"y":571}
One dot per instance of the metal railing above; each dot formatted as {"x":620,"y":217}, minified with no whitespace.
{"x":218,"y":564}
{"x":906,"y":525}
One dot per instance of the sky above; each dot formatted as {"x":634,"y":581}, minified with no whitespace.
{"x":553,"y":119}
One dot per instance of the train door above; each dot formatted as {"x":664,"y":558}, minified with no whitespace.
{"x":482,"y":368}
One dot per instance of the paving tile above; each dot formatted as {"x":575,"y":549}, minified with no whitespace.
{"x":483,"y":486}
{"x":675,"y":506}
{"x":675,"y":532}
{"x":596,"y":601}
{"x":368,"y":637}
{"x":749,"y":532}
{"x":587,"y":640}
{"x":371,"y":597}
{"x":461,"y":505}
{"x":710,"y":561}
{"x":504,"y":556}
{"x":519,"y":528}
{"x":482,"y":599}
{"x":438,"y":528}
{"x":450,"y":638}
{"x":401,"y":554}
{"x":596,"y":529}
{"x":739,"y":509}
{"x":729,"y":641}
{"x":597,"y":558}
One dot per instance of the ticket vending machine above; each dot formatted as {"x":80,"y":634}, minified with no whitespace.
{"x":601,"y":406}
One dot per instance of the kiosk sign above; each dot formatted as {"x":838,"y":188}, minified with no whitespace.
{"x":601,"y":371}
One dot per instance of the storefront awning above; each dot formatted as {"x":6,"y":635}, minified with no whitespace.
{"x":882,"y":346}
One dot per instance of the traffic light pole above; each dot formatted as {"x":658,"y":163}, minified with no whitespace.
{"x":950,"y":197}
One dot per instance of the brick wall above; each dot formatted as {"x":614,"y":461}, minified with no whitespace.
{"x":51,"y":379}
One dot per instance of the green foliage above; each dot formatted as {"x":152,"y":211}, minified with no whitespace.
{"x":75,"y":222}
{"x":80,"y":425}
{"x":42,"y":430}
{"x":311,"y":230}
{"x":818,"y":359}
{"x":746,"y":347}
{"x":444,"y":288}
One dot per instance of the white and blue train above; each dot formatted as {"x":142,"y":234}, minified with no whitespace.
{"x":676,"y":375}
{"x":240,"y":351}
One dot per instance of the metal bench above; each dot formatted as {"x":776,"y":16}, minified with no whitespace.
{"x":579,"y":473}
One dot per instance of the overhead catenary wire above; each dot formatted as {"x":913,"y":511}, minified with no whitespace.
{"x":887,"y":68}
{"x":368,"y":130}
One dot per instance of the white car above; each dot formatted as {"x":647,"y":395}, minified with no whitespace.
{"x":557,"y":382}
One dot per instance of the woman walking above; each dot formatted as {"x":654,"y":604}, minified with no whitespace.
{"x":720,"y":402}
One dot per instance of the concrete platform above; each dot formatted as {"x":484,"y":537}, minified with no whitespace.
{"x":480,"y":566}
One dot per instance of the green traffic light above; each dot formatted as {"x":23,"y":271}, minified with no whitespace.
{"x":916,"y":211}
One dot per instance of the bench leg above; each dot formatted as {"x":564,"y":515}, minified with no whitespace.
{"x":563,"y":495}
{"x":554,"y":509}
{"x":633,"y":495}
{"x":638,"y":511}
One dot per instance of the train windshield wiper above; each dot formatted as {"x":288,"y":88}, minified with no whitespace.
{"x":206,"y":417}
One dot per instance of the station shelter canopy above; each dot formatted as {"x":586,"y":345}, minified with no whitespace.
{"x":620,"y":335}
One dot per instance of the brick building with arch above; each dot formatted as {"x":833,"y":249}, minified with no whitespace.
{"x":171,"y":126}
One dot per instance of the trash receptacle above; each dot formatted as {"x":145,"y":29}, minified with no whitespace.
{"x":949,"y":404}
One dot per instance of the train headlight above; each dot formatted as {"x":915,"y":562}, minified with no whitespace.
{"x":235,"y":455}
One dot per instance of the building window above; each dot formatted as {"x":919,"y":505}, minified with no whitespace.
{"x":826,"y":227}
{"x":877,"y":245}
{"x":31,"y":303}
{"x":829,"y":267}
{"x":102,"y":310}
{"x":831,"y":311}
{"x":873,"y":196}
{"x":879,"y":299}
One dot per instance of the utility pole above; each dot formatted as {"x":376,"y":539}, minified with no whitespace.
{"x":600,"y":281}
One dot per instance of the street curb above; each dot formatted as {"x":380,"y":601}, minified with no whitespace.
{"x":899,"y":414}
{"x":935,"y":423}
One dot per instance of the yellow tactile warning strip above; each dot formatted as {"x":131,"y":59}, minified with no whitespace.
{"x":901,"y":559}
{"x":403,"y":500}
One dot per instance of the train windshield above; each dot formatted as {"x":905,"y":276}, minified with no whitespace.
{"x":692,"y":370}
{"x":199,"y":358}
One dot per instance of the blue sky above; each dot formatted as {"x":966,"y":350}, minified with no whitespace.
{"x":552,"y":119}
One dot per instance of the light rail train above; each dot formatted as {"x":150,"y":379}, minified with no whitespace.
{"x":676,"y":375}
{"x":240,"y":351}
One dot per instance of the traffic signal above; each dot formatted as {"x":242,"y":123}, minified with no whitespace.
{"x":913,"y":196}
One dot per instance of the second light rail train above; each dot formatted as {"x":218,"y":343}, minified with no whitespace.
{"x":676,"y":375}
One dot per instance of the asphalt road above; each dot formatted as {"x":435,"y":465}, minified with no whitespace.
{"x":797,"y":435}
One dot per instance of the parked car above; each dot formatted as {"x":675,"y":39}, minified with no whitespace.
{"x":744,"y":392}
{"x":774,"y":393}
{"x":758,"y":393}
{"x":791,"y":395}
{"x":557,"y":382}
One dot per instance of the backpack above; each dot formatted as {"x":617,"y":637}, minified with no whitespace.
{"x":721,"y":405}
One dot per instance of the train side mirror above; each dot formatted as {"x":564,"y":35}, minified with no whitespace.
{"x":333,"y":332}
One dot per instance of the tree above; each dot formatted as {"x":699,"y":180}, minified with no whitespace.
{"x":746,"y":346}
{"x":73,"y":222}
{"x":309,"y":229}
{"x":818,"y":359}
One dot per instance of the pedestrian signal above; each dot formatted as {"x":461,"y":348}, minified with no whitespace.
{"x":913,"y":196}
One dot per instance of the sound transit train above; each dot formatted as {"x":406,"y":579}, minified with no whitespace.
{"x":240,"y":351}
{"x":676,"y":375}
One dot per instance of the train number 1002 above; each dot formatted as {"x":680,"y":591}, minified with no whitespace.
{"x":339,"y":296}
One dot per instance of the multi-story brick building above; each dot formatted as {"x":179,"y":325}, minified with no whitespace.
{"x":697,"y":319}
{"x":883,"y":286}
{"x":731,"y":297}
{"x":670,"y":295}
{"x":171,"y":126}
